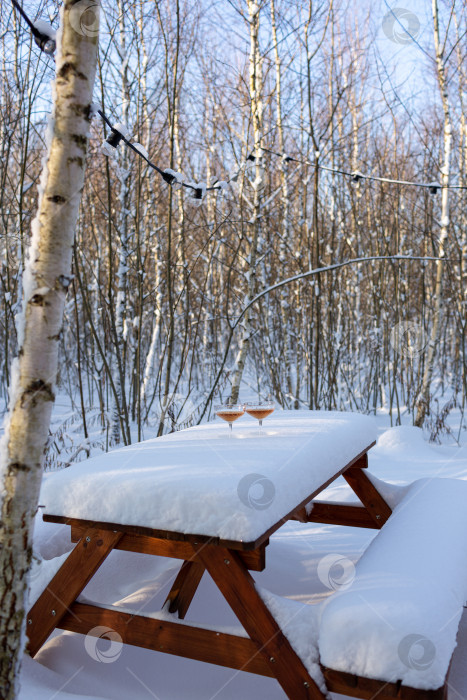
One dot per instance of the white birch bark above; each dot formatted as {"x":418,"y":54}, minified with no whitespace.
{"x":424,"y":396}
{"x":120,"y":423}
{"x":285,"y":229}
{"x":255,"y":221}
{"x":462,"y":241}
{"x":156,"y":329}
{"x":47,"y":276}
{"x":150,"y":208}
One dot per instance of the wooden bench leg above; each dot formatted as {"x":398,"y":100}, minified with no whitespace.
{"x":238,"y":588}
{"x":67,"y":584}
{"x":368,"y":494}
{"x":184,"y":588}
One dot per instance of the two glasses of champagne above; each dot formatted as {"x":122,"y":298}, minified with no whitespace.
{"x":231,"y":412}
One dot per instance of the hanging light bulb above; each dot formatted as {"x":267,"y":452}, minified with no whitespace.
{"x":233,"y":176}
{"x":197,"y":193}
{"x":222,"y":186}
{"x":46,"y":44}
{"x":173,"y":178}
{"x":109,"y":147}
{"x":356,"y":176}
{"x":118,"y":133}
{"x":44,"y":36}
{"x":43,"y":33}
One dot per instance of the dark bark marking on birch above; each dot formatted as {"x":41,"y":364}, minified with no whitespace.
{"x":38,"y":300}
{"x":37,"y":390}
{"x":68,"y":69}
{"x":80,"y":140}
{"x":56,"y":199}
{"x":17,"y":467}
{"x":76,"y":159}
{"x":80,"y":110}
{"x":87,"y":111}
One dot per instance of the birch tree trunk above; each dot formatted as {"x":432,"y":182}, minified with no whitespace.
{"x":172,"y":78}
{"x":120,"y":420}
{"x":47,"y":276}
{"x":255,"y":221}
{"x":285,"y":228}
{"x":424,"y":397}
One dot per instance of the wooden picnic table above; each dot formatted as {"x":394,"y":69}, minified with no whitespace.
{"x":191,"y":496}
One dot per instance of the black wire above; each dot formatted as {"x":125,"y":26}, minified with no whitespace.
{"x":165,"y":176}
{"x":360,"y":176}
{"x":25,"y":17}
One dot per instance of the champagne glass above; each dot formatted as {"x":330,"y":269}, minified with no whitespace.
{"x":229,"y":412}
{"x":260,"y":410}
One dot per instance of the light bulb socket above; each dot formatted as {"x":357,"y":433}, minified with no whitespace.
{"x":114,"y":138}
{"x":45,"y":43}
{"x":168,"y":178}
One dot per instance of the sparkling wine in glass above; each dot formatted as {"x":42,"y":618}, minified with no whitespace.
{"x":260,"y":410}
{"x":229,"y":412}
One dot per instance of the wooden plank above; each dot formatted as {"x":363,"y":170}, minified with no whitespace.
{"x":170,"y":637}
{"x":67,"y":584}
{"x":184,"y":588}
{"x":371,"y":689}
{"x":337,"y":514}
{"x":254,"y":560}
{"x":361,"y":462}
{"x":238,"y":588}
{"x":369,"y":495}
{"x":155,"y":533}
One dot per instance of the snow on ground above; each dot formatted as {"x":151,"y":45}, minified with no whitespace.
{"x":72,"y":667}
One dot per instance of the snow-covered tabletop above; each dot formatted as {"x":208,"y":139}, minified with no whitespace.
{"x":199,"y":481}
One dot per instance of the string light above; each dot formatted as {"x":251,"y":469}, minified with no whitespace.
{"x":356,"y":175}
{"x":44,"y":37}
{"x":199,"y":189}
{"x":43,"y":33}
{"x":109,"y":147}
{"x":119,"y":133}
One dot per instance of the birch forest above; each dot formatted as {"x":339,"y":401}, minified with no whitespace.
{"x":297,"y":115}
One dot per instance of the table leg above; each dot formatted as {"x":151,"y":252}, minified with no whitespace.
{"x":184,"y":588}
{"x":67,"y":584}
{"x":368,"y":494}
{"x":238,"y":588}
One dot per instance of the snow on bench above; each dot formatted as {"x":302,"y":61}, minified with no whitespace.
{"x":202,"y":482}
{"x":397,"y":621}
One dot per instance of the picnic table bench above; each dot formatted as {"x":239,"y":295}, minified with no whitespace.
{"x":391,"y":633}
{"x":213,"y":502}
